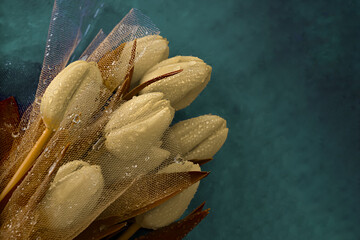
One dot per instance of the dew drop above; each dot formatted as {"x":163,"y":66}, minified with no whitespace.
{"x":33,"y":222}
{"x":46,"y":152}
{"x":76,"y":119}
{"x":84,"y":57}
{"x":51,"y":169}
{"x":99,"y":143}
{"x":37,"y":100}
{"x":192,"y":63}
{"x":15,"y":134}
{"x":179,"y":159}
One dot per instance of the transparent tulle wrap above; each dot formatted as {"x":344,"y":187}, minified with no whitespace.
{"x":80,"y":137}
{"x":63,"y":36}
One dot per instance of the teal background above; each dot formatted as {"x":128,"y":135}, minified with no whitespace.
{"x":286,"y":78}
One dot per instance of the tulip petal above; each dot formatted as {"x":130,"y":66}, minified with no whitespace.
{"x":209,"y":147}
{"x":135,"y":109}
{"x":132,"y":140}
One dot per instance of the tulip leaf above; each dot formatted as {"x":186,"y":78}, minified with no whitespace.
{"x":102,"y":228}
{"x":178,"y":230}
{"x":125,"y":86}
{"x":18,"y":151}
{"x":152,"y":190}
{"x":9,"y":121}
{"x":127,"y":81}
{"x":140,"y":87}
{"x":198,"y":209}
{"x":105,"y":63}
{"x":135,"y":194}
{"x":28,"y":199}
{"x":201,"y":161}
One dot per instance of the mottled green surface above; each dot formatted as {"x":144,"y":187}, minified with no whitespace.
{"x":286,"y":76}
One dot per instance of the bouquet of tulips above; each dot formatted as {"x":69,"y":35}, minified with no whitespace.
{"x":96,"y":155}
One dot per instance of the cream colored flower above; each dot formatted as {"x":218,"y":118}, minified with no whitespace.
{"x":198,"y":138}
{"x":75,"y":90}
{"x":75,"y":189}
{"x":134,"y":131}
{"x":182,"y":88}
{"x":137,"y":125}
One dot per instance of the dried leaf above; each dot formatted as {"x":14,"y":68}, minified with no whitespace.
{"x":154,"y":189}
{"x":137,"y":89}
{"x":178,"y":230}
{"x":102,"y":228}
{"x":105,"y":63}
{"x":17,"y":153}
{"x":9,"y":121}
{"x":29,"y":200}
{"x":198,"y":209}
{"x":125,"y":86}
{"x":201,"y":161}
{"x":127,"y":81}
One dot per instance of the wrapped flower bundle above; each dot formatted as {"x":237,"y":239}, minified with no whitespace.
{"x":96,"y":154}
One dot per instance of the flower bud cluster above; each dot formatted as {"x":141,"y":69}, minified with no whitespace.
{"x":135,"y":133}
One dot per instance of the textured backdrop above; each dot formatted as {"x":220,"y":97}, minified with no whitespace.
{"x":285,"y":76}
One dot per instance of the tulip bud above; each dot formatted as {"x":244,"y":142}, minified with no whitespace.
{"x":198,"y":138}
{"x":136,"y":109}
{"x":149,"y":51}
{"x":137,"y":124}
{"x":134,"y":131}
{"x":73,"y":193}
{"x":182,"y":88}
{"x":78,"y":83}
{"x":172,"y":209}
{"x":117,"y":168}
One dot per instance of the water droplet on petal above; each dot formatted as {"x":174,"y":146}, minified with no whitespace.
{"x":15,"y":134}
{"x":99,"y":143}
{"x":76,"y":119}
